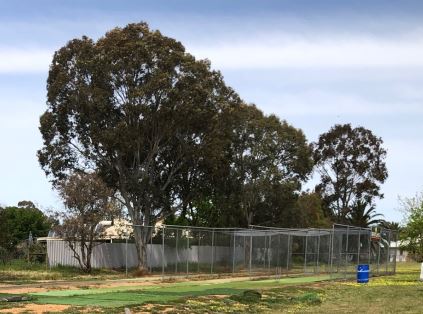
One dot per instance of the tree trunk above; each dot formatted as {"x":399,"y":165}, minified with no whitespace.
{"x":88,"y":257}
{"x":83,"y":257}
{"x":142,"y":236}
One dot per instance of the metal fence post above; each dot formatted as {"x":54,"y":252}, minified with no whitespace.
{"x":188,"y":254}
{"x":346,"y":252}
{"x":163,"y":250}
{"x":198,"y":251}
{"x":395,"y":252}
{"x":212,"y":253}
{"x":126,"y":256}
{"x":269,"y":251}
{"x":370,"y":245}
{"x":264,"y":252}
{"x":245,"y":255}
{"x":288,"y":252}
{"x":378,"y":258}
{"x":278,"y":253}
{"x":177,"y":251}
{"x":151,"y":250}
{"x":251,"y":250}
{"x":318,"y":253}
{"x":233,"y":255}
{"x":332,"y":240}
{"x":359,"y":246}
{"x":305,"y":253}
{"x":388,"y":252}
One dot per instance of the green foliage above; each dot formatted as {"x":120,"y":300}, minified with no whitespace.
{"x":412,"y":233}
{"x":361,"y":217}
{"x":268,"y":161}
{"x":5,"y":256}
{"x":257,"y":176}
{"x":309,"y":211}
{"x":37,"y":252}
{"x":351,"y":164}
{"x":17,"y":222}
{"x":391,"y":225}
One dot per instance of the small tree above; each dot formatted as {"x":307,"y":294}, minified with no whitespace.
{"x":412,"y":234}
{"x":87,"y":201}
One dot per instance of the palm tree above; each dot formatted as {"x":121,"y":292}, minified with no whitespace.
{"x":391,"y":225}
{"x":360,"y":217}
{"x":363,"y":216}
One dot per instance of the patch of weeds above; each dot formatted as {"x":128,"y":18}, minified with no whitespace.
{"x":84,"y":310}
{"x":248,"y":296}
{"x":309,"y":298}
{"x":83,"y":287}
{"x":170,"y":280}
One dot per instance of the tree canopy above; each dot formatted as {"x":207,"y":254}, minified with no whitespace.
{"x":137,"y":108}
{"x":16,"y":222}
{"x":269,"y":159}
{"x":351,"y":165}
{"x":257,"y":177}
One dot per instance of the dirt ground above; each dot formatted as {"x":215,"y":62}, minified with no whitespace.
{"x":74,"y":285}
{"x":36,"y":308}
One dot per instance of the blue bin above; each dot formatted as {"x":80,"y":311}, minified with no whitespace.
{"x":363,"y":273}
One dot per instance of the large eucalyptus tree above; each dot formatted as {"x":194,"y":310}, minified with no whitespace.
{"x":138,"y":109}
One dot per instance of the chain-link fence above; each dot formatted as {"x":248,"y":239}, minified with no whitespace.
{"x":258,"y":250}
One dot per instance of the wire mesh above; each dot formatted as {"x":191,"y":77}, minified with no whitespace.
{"x":258,"y":250}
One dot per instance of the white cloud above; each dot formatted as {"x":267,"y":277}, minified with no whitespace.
{"x":279,"y":50}
{"x":329,"y":103}
{"x":259,"y":51}
{"x":20,"y":60}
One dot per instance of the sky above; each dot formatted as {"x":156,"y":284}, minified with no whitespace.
{"x":312,"y":63}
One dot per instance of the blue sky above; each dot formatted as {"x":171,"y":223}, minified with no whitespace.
{"x":313,"y":63}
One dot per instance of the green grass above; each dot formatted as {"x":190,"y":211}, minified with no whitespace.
{"x":120,"y":296}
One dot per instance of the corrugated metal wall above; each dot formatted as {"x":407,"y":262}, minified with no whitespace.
{"x":113,"y":255}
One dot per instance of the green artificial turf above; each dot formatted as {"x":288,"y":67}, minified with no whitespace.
{"x":121,"y":296}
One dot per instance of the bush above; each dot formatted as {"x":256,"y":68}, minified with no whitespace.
{"x":37,"y":253}
{"x":5,"y":255}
